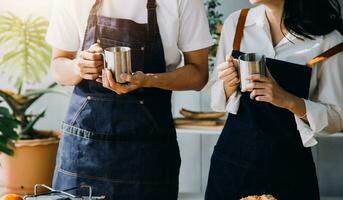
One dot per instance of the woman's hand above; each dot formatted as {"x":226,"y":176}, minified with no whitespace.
{"x":89,"y":65}
{"x":134,"y":82}
{"x":266,"y":89}
{"x":228,"y":73}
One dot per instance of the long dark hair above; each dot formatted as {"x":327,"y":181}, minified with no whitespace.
{"x":307,"y":18}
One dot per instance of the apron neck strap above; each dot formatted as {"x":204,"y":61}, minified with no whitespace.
{"x":96,"y":6}
{"x":326,"y":55}
{"x":92,"y":24}
{"x":240,"y":29}
{"x":152,"y":19}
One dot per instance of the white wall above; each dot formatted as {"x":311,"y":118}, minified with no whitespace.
{"x":56,"y":105}
{"x":25,"y":8}
{"x":229,"y":6}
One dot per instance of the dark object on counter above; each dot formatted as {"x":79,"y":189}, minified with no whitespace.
{"x":61,"y":195}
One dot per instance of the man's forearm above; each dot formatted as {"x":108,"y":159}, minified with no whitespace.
{"x":63,"y":72}
{"x":188,"y":77}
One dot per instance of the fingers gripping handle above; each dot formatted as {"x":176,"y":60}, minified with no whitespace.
{"x":103,"y":55}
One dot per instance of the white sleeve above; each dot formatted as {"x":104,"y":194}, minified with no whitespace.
{"x":63,"y":32}
{"x":219,"y":101}
{"x":194,"y":33}
{"x":325,"y":108}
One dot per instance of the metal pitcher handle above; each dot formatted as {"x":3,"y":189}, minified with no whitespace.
{"x":103,"y":55}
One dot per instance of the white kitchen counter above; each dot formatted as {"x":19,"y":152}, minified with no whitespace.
{"x":200,"y":131}
{"x":217,"y":130}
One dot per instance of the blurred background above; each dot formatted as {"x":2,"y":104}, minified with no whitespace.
{"x":196,"y":145}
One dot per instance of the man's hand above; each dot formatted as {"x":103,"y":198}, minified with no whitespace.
{"x":134,"y":82}
{"x":89,"y":65}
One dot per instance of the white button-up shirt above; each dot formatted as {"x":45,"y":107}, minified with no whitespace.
{"x":325,"y":104}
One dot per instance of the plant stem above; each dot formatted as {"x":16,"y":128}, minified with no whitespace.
{"x":20,"y":86}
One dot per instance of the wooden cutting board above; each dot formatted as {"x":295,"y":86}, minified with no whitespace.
{"x":201,"y":115}
{"x":198,"y":123}
{"x":201,"y":128}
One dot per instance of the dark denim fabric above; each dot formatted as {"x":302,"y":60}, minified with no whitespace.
{"x":260,"y":150}
{"x":120,"y":150}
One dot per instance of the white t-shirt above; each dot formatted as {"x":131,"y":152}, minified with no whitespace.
{"x":183,"y":24}
{"x":325,"y":105}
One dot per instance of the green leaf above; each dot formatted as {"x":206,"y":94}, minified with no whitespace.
{"x":4,"y":112}
{"x":7,"y":150}
{"x":7,"y":130}
{"x":3,"y":140}
{"x":45,"y":91}
{"x":29,"y":127}
{"x":26,"y":55}
{"x":8,"y":57}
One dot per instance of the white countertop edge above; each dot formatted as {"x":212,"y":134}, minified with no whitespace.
{"x":217,"y":131}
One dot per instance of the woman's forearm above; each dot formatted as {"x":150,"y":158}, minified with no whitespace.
{"x":189,"y":77}
{"x":63,"y":71}
{"x":229,"y":90}
{"x":297,"y":106}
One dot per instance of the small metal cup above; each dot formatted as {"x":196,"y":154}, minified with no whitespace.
{"x":118,"y":61}
{"x":250,"y":64}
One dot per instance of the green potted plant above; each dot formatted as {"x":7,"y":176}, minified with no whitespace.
{"x":215,"y":22}
{"x":28,"y":154}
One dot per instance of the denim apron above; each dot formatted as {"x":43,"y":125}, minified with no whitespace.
{"x":124,"y":146}
{"x":260,"y":150}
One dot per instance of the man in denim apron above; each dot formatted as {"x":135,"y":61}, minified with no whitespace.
{"x":120,"y":138}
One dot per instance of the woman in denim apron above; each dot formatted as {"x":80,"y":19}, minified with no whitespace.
{"x":260,"y":150}
{"x":123,"y":146}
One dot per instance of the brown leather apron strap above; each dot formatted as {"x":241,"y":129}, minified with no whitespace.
{"x":327,"y":54}
{"x":152,"y":20}
{"x":240,"y":29}
{"x":96,"y":7}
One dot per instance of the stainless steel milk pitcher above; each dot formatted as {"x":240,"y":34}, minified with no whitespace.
{"x":250,"y":64}
{"x":118,"y":61}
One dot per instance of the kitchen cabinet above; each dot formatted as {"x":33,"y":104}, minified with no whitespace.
{"x":191,"y":166}
{"x":330,"y":166}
